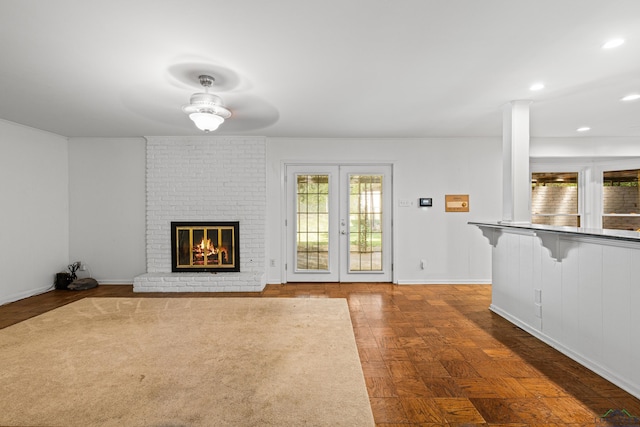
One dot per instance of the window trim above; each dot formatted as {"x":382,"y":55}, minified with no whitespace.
{"x":557,"y":167}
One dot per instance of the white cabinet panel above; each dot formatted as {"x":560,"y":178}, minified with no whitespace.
{"x":570,"y":284}
{"x":590,"y":294}
{"x":590,"y":301}
{"x":616,"y":315}
{"x":551,"y":285}
{"x":634,"y":315}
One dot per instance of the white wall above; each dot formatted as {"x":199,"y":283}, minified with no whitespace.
{"x":92,"y":189}
{"x":34,"y":237}
{"x":454,"y":251}
{"x":107,"y":207}
{"x":585,"y":147}
{"x":107,"y":201}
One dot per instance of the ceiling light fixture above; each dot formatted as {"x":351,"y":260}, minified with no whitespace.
{"x":631,"y":97}
{"x":583,"y":129}
{"x":610,"y":44}
{"x":537,"y":86}
{"x":206,"y":109}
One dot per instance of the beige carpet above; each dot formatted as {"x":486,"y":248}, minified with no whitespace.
{"x":184,"y":362}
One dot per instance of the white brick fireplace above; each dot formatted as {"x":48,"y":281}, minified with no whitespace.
{"x":205,"y":179}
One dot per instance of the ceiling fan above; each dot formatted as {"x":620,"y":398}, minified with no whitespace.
{"x":242,"y":110}
{"x":206,"y":109}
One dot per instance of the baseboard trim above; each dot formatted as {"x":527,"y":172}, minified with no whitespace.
{"x":25,"y":294}
{"x":445,"y":282}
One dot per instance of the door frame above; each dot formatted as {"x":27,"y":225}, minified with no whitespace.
{"x":283,"y":208}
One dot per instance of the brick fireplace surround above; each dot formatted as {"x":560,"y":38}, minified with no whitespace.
{"x":205,"y":179}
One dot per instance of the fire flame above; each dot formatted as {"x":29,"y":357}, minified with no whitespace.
{"x":204,"y":251}
{"x":207,"y":247}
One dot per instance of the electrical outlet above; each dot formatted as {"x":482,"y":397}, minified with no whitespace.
{"x":83,"y":267}
{"x":272,"y":262}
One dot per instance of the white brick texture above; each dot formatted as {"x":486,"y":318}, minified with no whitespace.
{"x":205,"y":179}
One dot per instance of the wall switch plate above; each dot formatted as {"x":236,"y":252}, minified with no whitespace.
{"x":403,"y":203}
{"x":426,"y":201}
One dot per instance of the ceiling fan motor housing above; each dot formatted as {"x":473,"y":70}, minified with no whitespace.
{"x":206,"y":103}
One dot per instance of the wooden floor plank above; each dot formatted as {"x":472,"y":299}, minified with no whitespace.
{"x":431,"y":355}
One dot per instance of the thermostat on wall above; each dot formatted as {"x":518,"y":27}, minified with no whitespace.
{"x":425,"y":201}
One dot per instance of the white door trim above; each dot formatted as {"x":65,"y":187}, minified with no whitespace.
{"x":284,"y":164}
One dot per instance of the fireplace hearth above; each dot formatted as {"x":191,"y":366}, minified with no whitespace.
{"x":205,"y":247}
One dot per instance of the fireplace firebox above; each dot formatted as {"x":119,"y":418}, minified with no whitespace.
{"x":205,"y":246}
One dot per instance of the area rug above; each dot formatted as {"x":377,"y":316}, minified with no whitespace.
{"x":184,"y":362}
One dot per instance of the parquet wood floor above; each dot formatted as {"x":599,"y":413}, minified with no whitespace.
{"x":433,"y":355}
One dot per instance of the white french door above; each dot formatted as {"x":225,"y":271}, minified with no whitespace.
{"x":338,"y":225}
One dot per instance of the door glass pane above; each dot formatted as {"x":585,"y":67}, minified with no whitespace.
{"x":365,"y":222}
{"x":312,"y":232}
{"x":554,"y":198}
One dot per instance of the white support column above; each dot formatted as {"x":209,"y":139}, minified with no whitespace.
{"x":516,"y":182}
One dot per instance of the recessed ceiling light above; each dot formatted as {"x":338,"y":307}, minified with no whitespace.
{"x":610,"y":44}
{"x":537,"y":86}
{"x":631,"y":97}
{"x":583,"y":129}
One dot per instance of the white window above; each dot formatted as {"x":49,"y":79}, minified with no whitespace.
{"x":555,"y":198}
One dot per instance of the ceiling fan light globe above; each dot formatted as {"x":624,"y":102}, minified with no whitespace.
{"x":206,"y":121}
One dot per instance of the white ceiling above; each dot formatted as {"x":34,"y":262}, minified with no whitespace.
{"x":331,"y":68}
